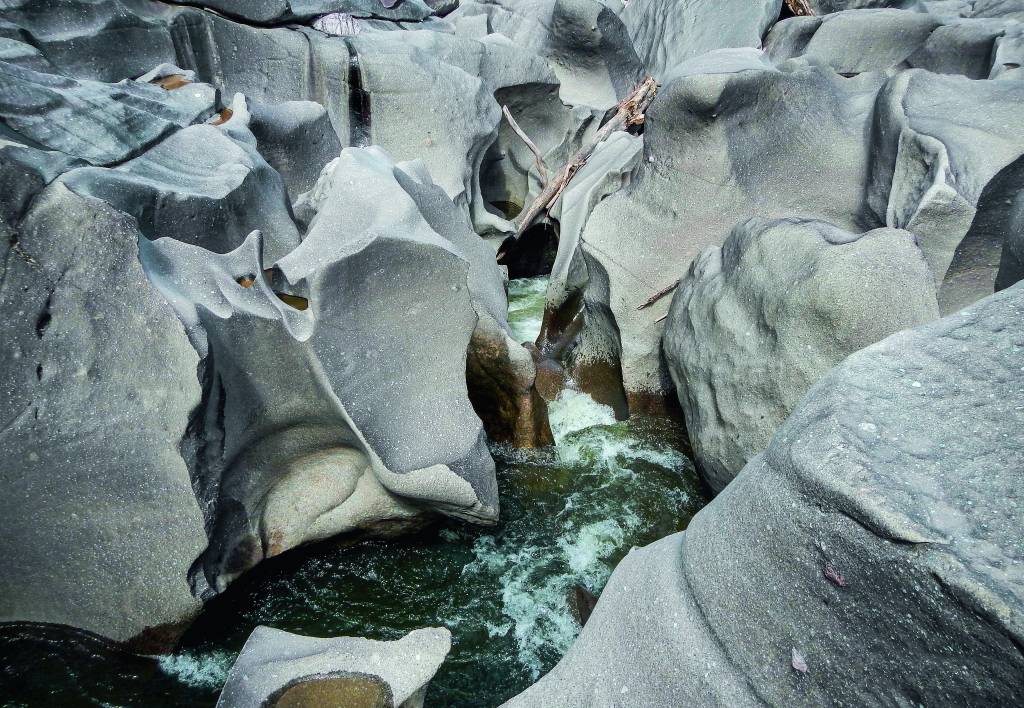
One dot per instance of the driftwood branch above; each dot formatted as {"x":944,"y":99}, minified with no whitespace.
{"x":630,"y":112}
{"x":799,"y":7}
{"x":658,"y":295}
{"x":542,"y":169}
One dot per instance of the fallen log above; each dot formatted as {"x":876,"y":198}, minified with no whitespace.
{"x":630,"y":112}
{"x":799,"y":8}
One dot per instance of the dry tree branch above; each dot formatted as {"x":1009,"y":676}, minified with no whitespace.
{"x":799,"y":7}
{"x":630,"y":112}
{"x":657,"y":296}
{"x":542,"y":169}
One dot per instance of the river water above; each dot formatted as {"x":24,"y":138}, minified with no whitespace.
{"x":568,"y":515}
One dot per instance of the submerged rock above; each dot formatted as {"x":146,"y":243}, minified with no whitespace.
{"x":278,"y":668}
{"x":755,"y":323}
{"x":874,"y":547}
{"x":100,"y":523}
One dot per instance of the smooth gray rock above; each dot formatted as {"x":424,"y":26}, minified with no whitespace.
{"x":930,"y":168}
{"x":876,"y":544}
{"x":335,"y":392}
{"x":668,"y":32}
{"x":97,"y":122}
{"x":24,"y":172}
{"x":268,"y":11}
{"x":99,"y":522}
{"x":755,"y":323}
{"x":338,"y":670}
{"x":1007,"y":221}
{"x":730,"y":141}
{"x":586,"y":45}
{"x":730,"y":138}
{"x":297,"y":139}
{"x":200,"y":186}
{"x":855,"y":41}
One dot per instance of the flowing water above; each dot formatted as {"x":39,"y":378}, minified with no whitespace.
{"x":569,"y":514}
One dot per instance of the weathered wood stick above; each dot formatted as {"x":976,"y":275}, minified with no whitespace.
{"x":542,"y":169}
{"x":657,"y":296}
{"x":630,"y":112}
{"x":799,"y":7}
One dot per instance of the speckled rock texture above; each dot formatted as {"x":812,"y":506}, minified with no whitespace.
{"x":339,"y":671}
{"x":729,"y":138}
{"x":100,"y":523}
{"x":755,"y":323}
{"x":852,"y":42}
{"x":326,"y":407}
{"x":873,"y":551}
{"x":668,"y":32}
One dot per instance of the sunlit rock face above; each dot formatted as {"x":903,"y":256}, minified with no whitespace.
{"x":334,"y":381}
{"x":100,"y":523}
{"x":758,"y":321}
{"x":878,"y":535}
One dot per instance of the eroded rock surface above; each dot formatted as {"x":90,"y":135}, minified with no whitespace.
{"x":278,"y":668}
{"x":100,"y":520}
{"x":755,"y":323}
{"x":341,"y":368}
{"x":878,"y":535}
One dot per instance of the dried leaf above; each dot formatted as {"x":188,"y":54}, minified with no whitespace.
{"x":833,"y":574}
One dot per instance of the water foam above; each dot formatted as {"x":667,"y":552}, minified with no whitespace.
{"x":208,"y":670}
{"x":573,"y":411}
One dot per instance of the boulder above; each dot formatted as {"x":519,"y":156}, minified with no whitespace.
{"x":755,"y":323}
{"x":99,"y":520}
{"x":206,"y":185}
{"x":728,"y":138}
{"x":278,"y":668}
{"x":930,"y":170}
{"x":334,"y":381}
{"x":872,"y":552}
{"x":666,"y":33}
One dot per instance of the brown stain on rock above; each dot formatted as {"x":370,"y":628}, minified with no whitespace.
{"x":350,"y":690}
{"x":171,"y":81}
{"x":223,"y":117}
{"x":510,"y":407}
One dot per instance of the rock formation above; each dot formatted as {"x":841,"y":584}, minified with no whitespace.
{"x":758,"y":321}
{"x":872,"y":551}
{"x":100,"y":521}
{"x":277,"y":668}
{"x":253,"y":295}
